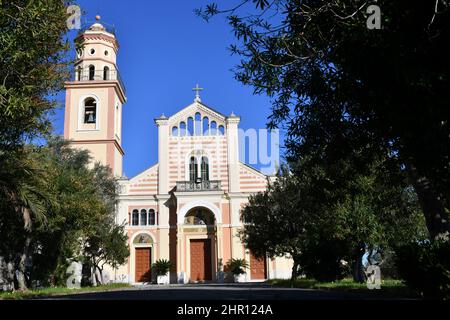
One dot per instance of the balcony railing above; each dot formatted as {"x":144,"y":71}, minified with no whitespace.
{"x":98,"y":75}
{"x":206,"y":185}
{"x":87,"y":24}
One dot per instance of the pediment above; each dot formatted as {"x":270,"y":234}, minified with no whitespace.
{"x":192,"y":109}
{"x":144,"y":175}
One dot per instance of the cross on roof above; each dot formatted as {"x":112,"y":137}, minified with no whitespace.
{"x":197,"y":90}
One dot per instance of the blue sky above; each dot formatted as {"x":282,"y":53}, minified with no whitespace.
{"x":165,"y":49}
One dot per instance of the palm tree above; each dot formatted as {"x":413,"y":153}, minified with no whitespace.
{"x":22,"y":188}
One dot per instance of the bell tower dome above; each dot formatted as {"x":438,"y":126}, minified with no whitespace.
{"x":95,"y":96}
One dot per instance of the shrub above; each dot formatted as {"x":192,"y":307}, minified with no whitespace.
{"x":237,"y":266}
{"x":425,"y":267}
{"x":388,"y":265}
{"x":322,"y":261}
{"x":162,"y":266}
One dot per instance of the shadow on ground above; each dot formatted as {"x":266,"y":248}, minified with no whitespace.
{"x":223,"y":292}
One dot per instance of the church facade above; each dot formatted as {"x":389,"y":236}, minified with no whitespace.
{"x":185,"y":208}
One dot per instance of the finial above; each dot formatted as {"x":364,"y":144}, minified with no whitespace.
{"x":232,"y":114}
{"x":97,"y":17}
{"x":197,"y":90}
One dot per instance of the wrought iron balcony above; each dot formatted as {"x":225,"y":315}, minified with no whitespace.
{"x":98,"y":75}
{"x":205,"y":185}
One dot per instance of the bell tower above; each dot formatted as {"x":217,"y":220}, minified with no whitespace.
{"x":95,"y":97}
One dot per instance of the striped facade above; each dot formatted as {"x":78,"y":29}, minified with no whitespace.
{"x":188,"y":135}
{"x":186,"y":208}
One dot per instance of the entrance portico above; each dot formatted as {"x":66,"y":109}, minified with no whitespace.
{"x":198,"y":241}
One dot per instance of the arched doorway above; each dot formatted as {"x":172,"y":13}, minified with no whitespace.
{"x":143,"y":247}
{"x":200,"y":230}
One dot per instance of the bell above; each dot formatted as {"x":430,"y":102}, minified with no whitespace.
{"x":91,"y":118}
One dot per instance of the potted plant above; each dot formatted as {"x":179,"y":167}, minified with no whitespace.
{"x":237,"y":267}
{"x":162,"y":267}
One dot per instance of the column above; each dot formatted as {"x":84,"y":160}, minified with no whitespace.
{"x":163,"y":154}
{"x":233,"y":152}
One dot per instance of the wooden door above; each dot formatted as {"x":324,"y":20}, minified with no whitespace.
{"x":201,"y":268}
{"x":143,"y":265}
{"x":258,"y":268}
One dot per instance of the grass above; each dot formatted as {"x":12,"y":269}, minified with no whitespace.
{"x":57,"y":291}
{"x":389,"y":288}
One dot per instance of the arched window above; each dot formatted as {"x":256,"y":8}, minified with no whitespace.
{"x":193,"y":170}
{"x":135,"y":218}
{"x":221,"y":130}
{"x":79,"y":74}
{"x":105,"y":73}
{"x":90,"y":110}
{"x":143,"y":217}
{"x":199,"y":216}
{"x":91,"y":72}
{"x":190,"y":126}
{"x":213,"y":129}
{"x":205,"y":169}
{"x":151,"y":217}
{"x":205,"y":126}
{"x":175,"y":131}
{"x":182,"y":128}
{"x":143,"y":238}
{"x":198,"y":124}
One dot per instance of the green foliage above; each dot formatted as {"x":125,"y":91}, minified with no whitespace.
{"x":388,"y":266}
{"x":237,"y":266}
{"x":340,"y":89}
{"x":366,"y":116}
{"x":53,"y":208}
{"x":321,"y":226}
{"x":79,"y":216}
{"x":322,"y":260}
{"x":425,"y":267}
{"x":33,"y":66}
{"x":162,"y":266}
{"x":389,"y":288}
{"x":59,"y":291}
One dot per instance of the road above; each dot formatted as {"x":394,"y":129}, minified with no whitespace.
{"x":253,"y":291}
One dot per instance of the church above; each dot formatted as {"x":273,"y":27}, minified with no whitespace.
{"x":185,"y":208}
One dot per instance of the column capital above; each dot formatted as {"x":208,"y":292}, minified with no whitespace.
{"x":162,"y":120}
{"x":233,"y":119}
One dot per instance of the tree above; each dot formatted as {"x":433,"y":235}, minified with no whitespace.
{"x":106,"y":245}
{"x":23,"y":200}
{"x":79,"y":223}
{"x":321,"y":217}
{"x":339,"y":85}
{"x":273,"y":223}
{"x":88,"y":196}
{"x":288,"y":218}
{"x":32,"y":68}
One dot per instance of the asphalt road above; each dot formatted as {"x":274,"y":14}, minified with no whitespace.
{"x":252,"y":291}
